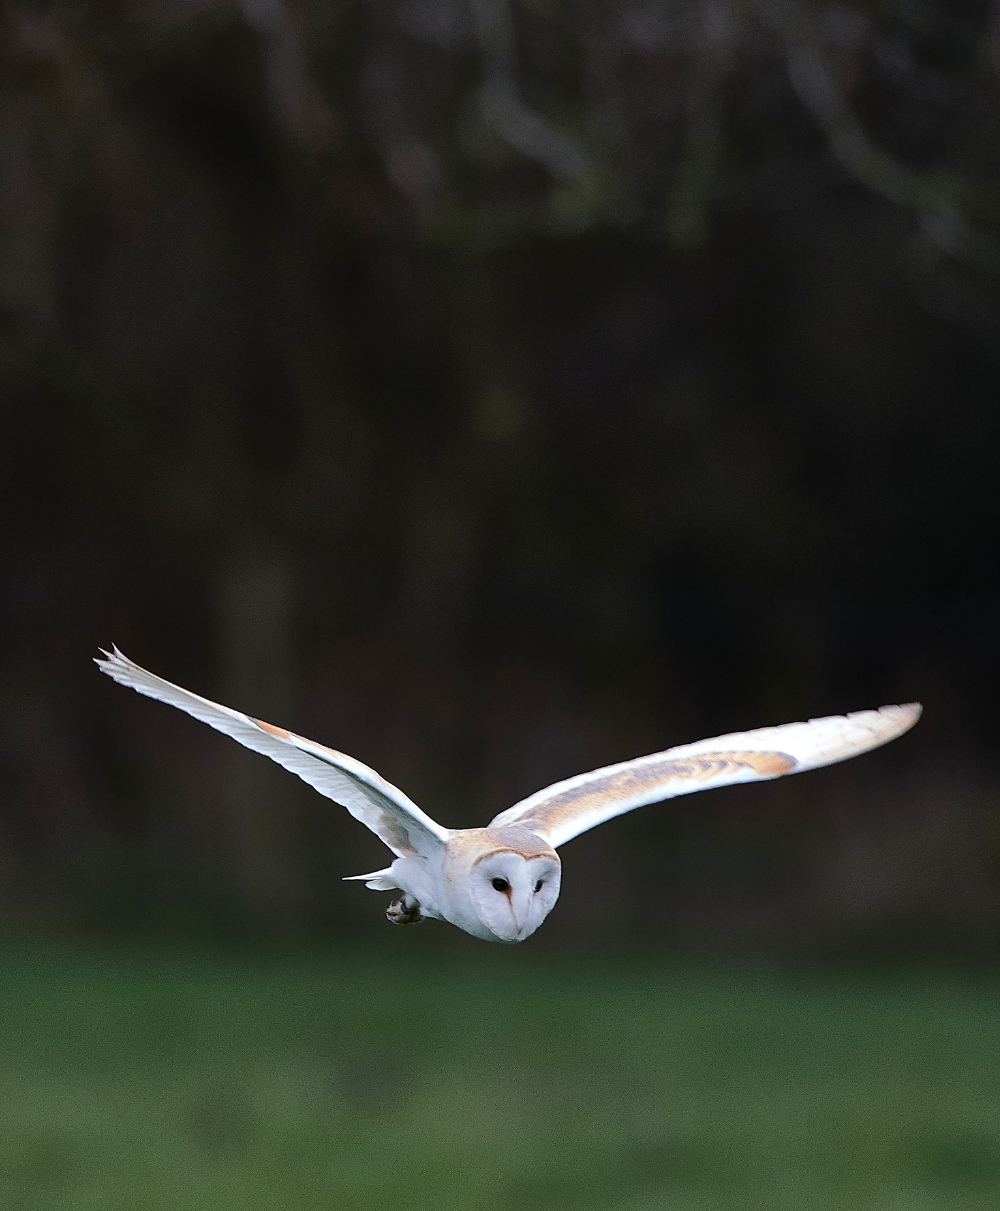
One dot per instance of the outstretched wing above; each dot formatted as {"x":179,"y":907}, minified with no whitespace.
{"x":391,"y":816}
{"x":564,"y":810}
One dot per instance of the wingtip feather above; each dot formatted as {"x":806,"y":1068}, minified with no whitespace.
{"x":906,"y":713}
{"x":115,"y":664}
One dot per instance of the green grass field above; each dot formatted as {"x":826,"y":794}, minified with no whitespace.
{"x":397,"y":1073}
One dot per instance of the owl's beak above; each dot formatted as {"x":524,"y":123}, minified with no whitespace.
{"x":520,"y":922}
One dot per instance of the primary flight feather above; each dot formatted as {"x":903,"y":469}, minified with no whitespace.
{"x":499,"y":883}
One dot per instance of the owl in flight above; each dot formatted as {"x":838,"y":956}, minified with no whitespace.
{"x":500,"y":882}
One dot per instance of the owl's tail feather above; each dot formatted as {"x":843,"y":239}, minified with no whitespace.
{"x":378,"y":880}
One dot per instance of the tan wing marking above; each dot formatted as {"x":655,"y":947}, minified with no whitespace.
{"x":391,"y":831}
{"x":389,"y":828}
{"x":274,"y":731}
{"x":284,"y":734}
{"x":627,"y":784}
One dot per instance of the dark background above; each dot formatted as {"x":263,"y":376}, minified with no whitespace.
{"x":493,"y":392}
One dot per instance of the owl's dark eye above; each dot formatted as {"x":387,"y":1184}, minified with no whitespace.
{"x":539,"y":884}
{"x":500,"y":884}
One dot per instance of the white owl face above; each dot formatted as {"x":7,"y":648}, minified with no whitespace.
{"x":513,"y":895}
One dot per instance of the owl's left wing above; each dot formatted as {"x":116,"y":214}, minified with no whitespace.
{"x":564,"y":810}
{"x":392,"y":817}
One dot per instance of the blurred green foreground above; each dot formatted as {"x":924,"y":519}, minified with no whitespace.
{"x":397,"y":1073}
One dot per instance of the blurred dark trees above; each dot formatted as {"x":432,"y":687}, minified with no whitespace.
{"x":494,"y":390}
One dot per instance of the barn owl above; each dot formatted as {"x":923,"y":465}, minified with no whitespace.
{"x":499,"y":883}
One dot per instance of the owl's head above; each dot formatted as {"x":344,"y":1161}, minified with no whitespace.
{"x":515,"y":883}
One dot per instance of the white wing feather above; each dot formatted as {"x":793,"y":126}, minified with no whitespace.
{"x":394,"y":819}
{"x":564,"y":810}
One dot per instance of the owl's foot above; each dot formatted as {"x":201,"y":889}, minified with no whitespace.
{"x":404,"y":911}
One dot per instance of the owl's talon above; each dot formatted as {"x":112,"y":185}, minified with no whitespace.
{"x":404,"y":911}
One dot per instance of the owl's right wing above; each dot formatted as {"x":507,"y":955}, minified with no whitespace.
{"x":564,"y":810}
{"x":391,"y":816}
